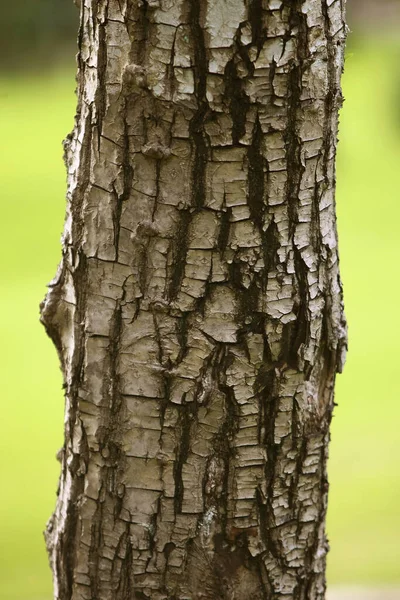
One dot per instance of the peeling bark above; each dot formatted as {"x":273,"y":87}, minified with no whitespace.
{"x":197,"y":310}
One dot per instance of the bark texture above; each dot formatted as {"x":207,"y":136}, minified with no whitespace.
{"x":197,"y":310}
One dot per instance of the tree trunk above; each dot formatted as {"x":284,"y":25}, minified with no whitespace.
{"x":197,"y":310}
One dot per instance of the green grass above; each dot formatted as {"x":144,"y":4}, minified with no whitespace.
{"x":364,"y":516}
{"x":35,"y":115}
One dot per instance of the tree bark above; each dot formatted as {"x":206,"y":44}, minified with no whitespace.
{"x":197,"y":310}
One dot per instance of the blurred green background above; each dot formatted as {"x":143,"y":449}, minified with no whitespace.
{"x":37,"y":104}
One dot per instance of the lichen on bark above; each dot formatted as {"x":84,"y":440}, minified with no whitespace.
{"x":197,"y":310}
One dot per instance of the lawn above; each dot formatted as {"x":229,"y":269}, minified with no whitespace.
{"x":364,"y":516}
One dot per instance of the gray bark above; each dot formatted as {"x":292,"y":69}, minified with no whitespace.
{"x":197,"y":310}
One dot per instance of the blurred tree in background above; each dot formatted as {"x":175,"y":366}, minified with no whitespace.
{"x":372,"y":13}
{"x":36,"y":32}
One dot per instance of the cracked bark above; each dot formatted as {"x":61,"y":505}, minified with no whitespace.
{"x":197,"y":310}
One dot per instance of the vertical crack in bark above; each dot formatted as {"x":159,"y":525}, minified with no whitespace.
{"x":270,"y":403}
{"x":223,"y":443}
{"x":237,"y":100}
{"x":325,"y":155}
{"x":298,"y":331}
{"x":256,"y":21}
{"x":331,"y":96}
{"x":124,"y":587}
{"x":114,"y":349}
{"x":256,"y":178}
{"x":295,"y":170}
{"x":257,"y":165}
{"x":127,"y":171}
{"x":101,"y":74}
{"x":224,"y":227}
{"x":78,"y":196}
{"x":293,"y":145}
{"x":143,"y":28}
{"x":182,"y":325}
{"x":96,"y":543}
{"x":187,"y":413}
{"x":271,"y":246}
{"x":196,"y":126}
{"x":179,"y":251}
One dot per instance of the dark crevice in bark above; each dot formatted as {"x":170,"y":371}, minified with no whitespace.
{"x":164,"y":402}
{"x":66,"y":562}
{"x":145,"y":232}
{"x":182,"y":326}
{"x":256,"y":21}
{"x":296,"y":333}
{"x":299,"y":330}
{"x":271,"y":245}
{"x":316,"y":234}
{"x":298,"y":21}
{"x":101,"y":74}
{"x":200,"y":158}
{"x":266,"y":587}
{"x":127,"y":186}
{"x":179,"y":252}
{"x":236,"y":279}
{"x":116,"y":217}
{"x":270,"y":403}
{"x":157,"y":195}
{"x":237,"y":100}
{"x":79,"y":194}
{"x":223,"y":441}
{"x":256,"y":179}
{"x":265,"y":526}
{"x":114,"y":350}
{"x":171,"y":70}
{"x":80,"y":279}
{"x":96,"y":543}
{"x":225,"y":223}
{"x":271,"y":77}
{"x":124,"y":587}
{"x":293,"y":146}
{"x":143,"y":31}
{"x":152,"y":534}
{"x":142,"y":264}
{"x":200,"y":53}
{"x":187,"y":415}
{"x":257,"y":167}
{"x":229,"y":559}
{"x":299,"y":445}
{"x":196,"y":125}
{"x":248,"y":314}
{"x":158,"y":339}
